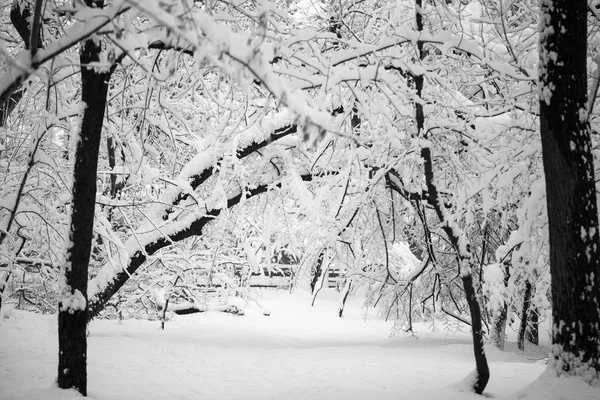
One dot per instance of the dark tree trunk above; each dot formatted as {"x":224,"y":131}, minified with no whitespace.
{"x":481,"y":364}
{"x":11,"y":103}
{"x":467,"y":265}
{"x":524,"y":313}
{"x":498,"y":328}
{"x":321,"y":282}
{"x":570,"y":188}
{"x":466,"y":261}
{"x":345,"y":293}
{"x":317,"y":272}
{"x":4,"y":277}
{"x":532,"y":333}
{"x":498,"y":331}
{"x":72,"y":316}
{"x":112,"y":162}
{"x":20,"y":16}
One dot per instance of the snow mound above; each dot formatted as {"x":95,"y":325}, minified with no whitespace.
{"x":549,"y":386}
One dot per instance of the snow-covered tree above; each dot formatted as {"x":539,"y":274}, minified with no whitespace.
{"x":396,"y":142}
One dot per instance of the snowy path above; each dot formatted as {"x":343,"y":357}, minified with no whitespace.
{"x":298,"y":352}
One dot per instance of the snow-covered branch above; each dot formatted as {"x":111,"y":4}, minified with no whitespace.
{"x":12,"y":203}
{"x":446,"y":40}
{"x":109,"y":280}
{"x":203,"y":166}
{"x":23,"y":66}
{"x":190,"y":307}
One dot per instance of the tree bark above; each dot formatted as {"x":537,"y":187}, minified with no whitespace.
{"x":112,"y":163}
{"x":20,"y":15}
{"x":570,"y":189}
{"x":524,"y":313}
{"x":498,"y":330}
{"x":72,"y":316}
{"x":532,"y":331}
{"x":483,"y":371}
{"x":4,"y":276}
{"x":345,"y":293}
{"x":317,"y":272}
{"x":324,"y":274}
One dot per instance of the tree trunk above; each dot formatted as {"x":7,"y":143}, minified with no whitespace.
{"x":345,"y":293}
{"x":317,"y":272}
{"x":4,"y":276}
{"x":20,"y":16}
{"x":72,"y":316}
{"x":498,"y":330}
{"x":481,"y":365}
{"x":466,"y":265}
{"x":532,"y":333}
{"x":460,"y":243}
{"x":321,"y":281}
{"x":524,"y":313}
{"x":112,"y":162}
{"x":570,"y":189}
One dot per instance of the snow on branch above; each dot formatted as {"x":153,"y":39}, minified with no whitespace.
{"x":203,"y":165}
{"x":189,"y":307}
{"x":11,"y":204}
{"x":24,"y":65}
{"x":231,"y":51}
{"x":445,"y":39}
{"x":141,"y":245}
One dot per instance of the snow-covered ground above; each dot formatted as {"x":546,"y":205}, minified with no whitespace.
{"x":297,"y":352}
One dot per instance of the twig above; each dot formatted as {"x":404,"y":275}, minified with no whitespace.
{"x":464,"y":321}
{"x":36,"y":140}
{"x":387,"y":256}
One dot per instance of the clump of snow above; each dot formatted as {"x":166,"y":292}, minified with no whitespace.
{"x":405,"y":263}
{"x":159,"y":298}
{"x":251,"y":257}
{"x":493,"y":276}
{"x":72,"y":301}
{"x":493,"y":273}
{"x":466,"y":384}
